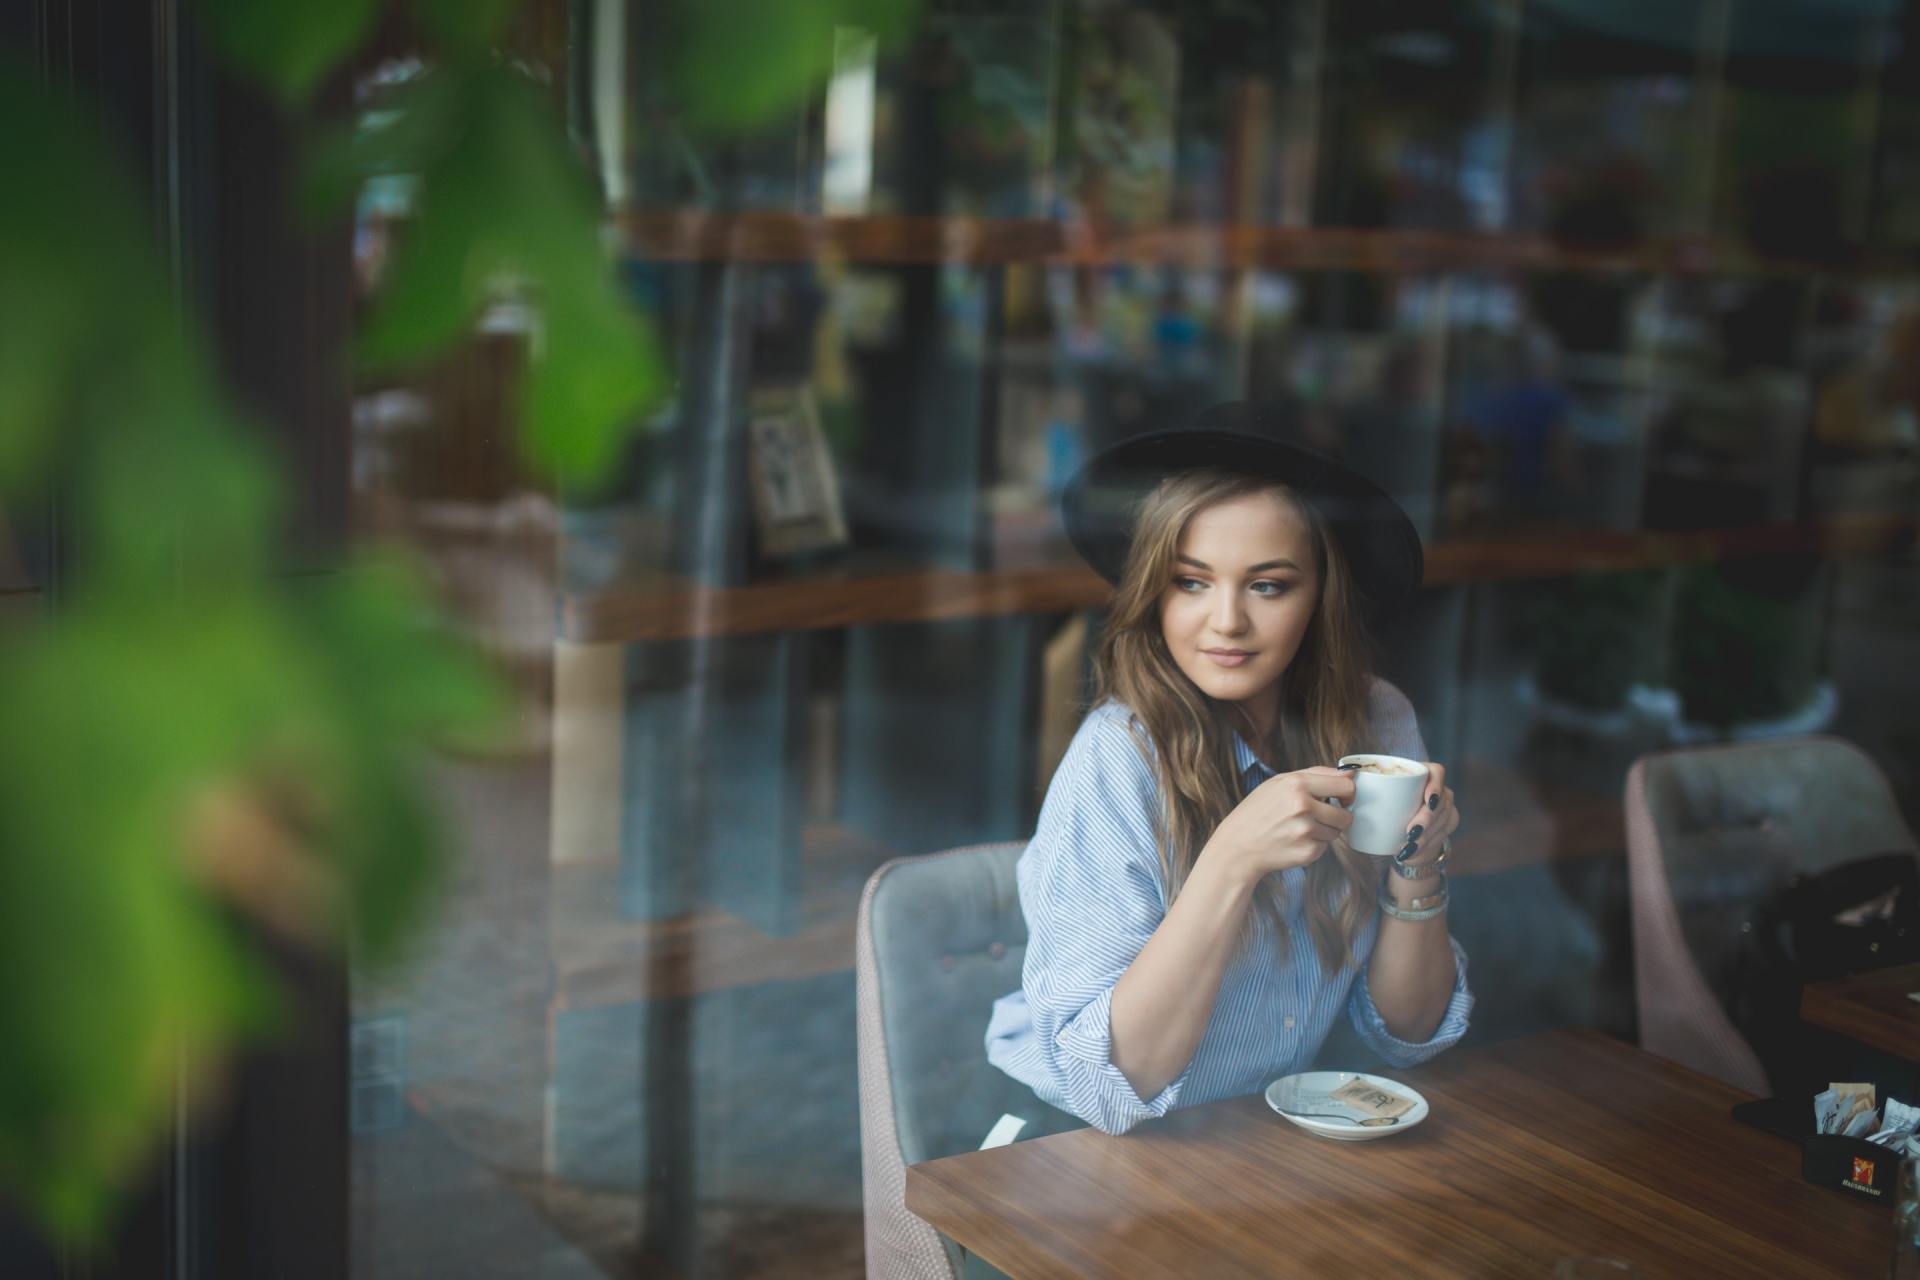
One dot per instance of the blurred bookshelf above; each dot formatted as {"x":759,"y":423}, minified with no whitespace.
{"x":696,"y":235}
{"x":679,"y":610}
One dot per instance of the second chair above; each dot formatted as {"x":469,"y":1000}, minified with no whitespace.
{"x":1710,"y":833}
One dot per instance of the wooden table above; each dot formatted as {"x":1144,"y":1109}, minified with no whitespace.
{"x":1536,"y":1149}
{"x":1872,"y":1008}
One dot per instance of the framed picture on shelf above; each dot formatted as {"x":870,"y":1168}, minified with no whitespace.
{"x":796,"y":493}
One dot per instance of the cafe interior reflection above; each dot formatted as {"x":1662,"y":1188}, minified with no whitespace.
{"x":1618,"y":303}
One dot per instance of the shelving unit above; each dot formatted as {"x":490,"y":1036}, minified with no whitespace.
{"x":681,"y":610}
{"x":693,"y":235}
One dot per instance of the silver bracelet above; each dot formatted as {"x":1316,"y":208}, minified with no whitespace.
{"x":1415,"y":871}
{"x":1398,"y":912}
{"x":1409,"y":871}
{"x":1435,"y":899}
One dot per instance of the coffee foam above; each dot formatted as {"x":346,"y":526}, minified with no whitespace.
{"x":1384,"y":766}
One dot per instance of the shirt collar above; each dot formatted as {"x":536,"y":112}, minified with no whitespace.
{"x":1248,"y":763}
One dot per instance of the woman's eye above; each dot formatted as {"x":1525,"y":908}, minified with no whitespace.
{"x":1188,"y":584}
{"x":1268,"y":588}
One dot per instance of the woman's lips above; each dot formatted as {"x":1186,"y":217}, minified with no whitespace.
{"x":1227,"y":657}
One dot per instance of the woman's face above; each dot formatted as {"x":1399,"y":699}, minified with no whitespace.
{"x":1243,"y":592}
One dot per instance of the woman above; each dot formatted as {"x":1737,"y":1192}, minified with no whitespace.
{"x":1196,"y":922}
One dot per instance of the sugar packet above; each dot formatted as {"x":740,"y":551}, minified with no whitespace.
{"x":1855,"y":1100}
{"x":1897,"y":1126}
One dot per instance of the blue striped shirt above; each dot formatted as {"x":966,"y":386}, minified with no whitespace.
{"x":1091,"y":888}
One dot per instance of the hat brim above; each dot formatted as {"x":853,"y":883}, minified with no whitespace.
{"x":1382,"y":548}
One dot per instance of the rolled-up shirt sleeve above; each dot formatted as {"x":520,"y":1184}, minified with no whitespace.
{"x":1406,"y":1053}
{"x":1091,"y":889}
{"x":1398,"y":732}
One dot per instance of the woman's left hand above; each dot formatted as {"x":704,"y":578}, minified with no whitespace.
{"x":1432,"y":824}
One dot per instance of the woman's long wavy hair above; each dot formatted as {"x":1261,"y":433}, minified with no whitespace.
{"x":1323,"y":705}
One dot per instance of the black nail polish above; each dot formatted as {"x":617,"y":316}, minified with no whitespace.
{"x":1415,"y":833}
{"x":1433,"y":801}
{"x":1345,"y":767}
{"x":1405,"y":853}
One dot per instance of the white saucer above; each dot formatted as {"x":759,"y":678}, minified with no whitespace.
{"x":1308,"y":1090}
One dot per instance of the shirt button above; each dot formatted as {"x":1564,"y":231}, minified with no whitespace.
{"x":1289,"y":1022}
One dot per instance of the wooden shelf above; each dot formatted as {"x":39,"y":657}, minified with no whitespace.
{"x":683,"y":610}
{"x":697,"y":236}
{"x":816,"y":604}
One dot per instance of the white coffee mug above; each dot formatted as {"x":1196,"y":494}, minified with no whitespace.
{"x":1386,"y":792}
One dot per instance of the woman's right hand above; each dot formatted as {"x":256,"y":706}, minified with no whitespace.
{"x":1285,"y":822}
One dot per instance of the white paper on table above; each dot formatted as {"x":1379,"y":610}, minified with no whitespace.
{"x":1004,"y":1130}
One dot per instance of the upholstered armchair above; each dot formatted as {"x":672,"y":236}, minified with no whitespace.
{"x":939,"y":938}
{"x":1710,"y":833}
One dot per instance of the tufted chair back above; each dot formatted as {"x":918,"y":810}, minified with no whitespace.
{"x":939,"y":938}
{"x":1710,"y":833}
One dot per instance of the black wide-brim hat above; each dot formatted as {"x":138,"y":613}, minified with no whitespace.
{"x":1103,"y":498}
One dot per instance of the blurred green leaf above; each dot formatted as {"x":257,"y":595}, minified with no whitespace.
{"x":118,"y":722}
{"x":72,"y":241}
{"x":743,"y":61}
{"x":506,"y":202}
{"x":140,"y":531}
{"x":180,"y":672}
{"x":393,"y":680}
{"x":464,"y":25}
{"x":450,"y":261}
{"x":411,"y":126}
{"x":130,"y":965}
{"x":470,"y":230}
{"x":287,"y":45}
{"x":583,"y":396}
{"x":184,"y":686}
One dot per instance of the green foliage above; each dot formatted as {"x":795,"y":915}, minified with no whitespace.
{"x":287,"y":45}
{"x":53,"y":352}
{"x":195,"y":749}
{"x":179,"y":670}
{"x":501,"y":200}
{"x":742,"y":61}
{"x":464,"y":27}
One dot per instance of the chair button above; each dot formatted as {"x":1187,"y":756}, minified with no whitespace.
{"x":1288,"y":1022}
{"x":997,"y":950}
{"x":946,"y":962}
